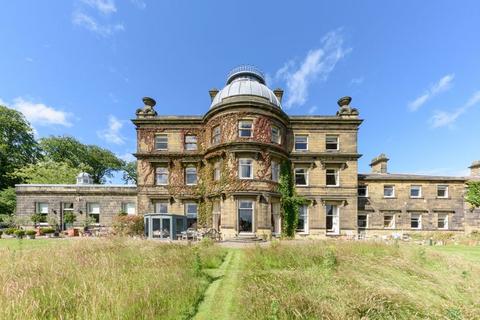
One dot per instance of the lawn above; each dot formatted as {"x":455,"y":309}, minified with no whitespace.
{"x":139,"y":279}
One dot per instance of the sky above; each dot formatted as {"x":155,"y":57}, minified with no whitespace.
{"x":81,"y":68}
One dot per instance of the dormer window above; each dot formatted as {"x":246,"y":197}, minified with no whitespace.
{"x":245,"y":128}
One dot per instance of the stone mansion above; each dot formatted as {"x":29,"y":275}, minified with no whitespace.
{"x":221,"y":170}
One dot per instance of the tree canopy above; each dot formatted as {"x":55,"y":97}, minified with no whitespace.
{"x":47,"y":172}
{"x":7,"y":201}
{"x":130,"y":172}
{"x":17,"y":145}
{"x":97,"y":161}
{"x":473,"y":194}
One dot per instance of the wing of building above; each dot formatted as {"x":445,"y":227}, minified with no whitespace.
{"x":221,"y":170}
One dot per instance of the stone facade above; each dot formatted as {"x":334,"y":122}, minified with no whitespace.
{"x":53,"y":201}
{"x":221,"y":170}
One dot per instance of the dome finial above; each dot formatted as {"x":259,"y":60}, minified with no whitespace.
{"x":246,"y":71}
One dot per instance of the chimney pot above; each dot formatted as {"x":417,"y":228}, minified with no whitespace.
{"x":475,"y":168}
{"x":379,"y":164}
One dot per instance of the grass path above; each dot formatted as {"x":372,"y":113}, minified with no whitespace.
{"x":219,"y":302}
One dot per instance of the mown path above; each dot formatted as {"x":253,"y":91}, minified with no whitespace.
{"x":219,"y":300}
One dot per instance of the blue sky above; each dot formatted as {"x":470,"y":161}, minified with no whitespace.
{"x":81,"y":67}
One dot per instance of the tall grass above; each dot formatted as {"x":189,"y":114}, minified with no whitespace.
{"x":322,"y":280}
{"x":105,"y":279}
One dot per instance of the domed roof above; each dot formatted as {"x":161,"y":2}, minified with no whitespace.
{"x":84,"y":178}
{"x":246,"y":80}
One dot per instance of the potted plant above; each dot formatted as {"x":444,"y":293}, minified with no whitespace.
{"x":49,"y":232}
{"x":53,"y":222}
{"x":19,"y":234}
{"x":69,"y":218}
{"x":37,"y":218}
{"x":31,"y":234}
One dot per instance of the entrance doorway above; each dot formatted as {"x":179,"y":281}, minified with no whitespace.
{"x":245,"y":216}
{"x":333,"y":221}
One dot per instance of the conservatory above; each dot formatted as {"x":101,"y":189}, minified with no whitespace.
{"x":164,"y":226}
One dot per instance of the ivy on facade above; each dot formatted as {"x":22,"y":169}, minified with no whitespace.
{"x":290,"y":201}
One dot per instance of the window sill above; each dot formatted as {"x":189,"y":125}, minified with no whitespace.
{"x":301,"y":186}
{"x":443,"y":198}
{"x":245,"y":178}
{"x":333,"y":186}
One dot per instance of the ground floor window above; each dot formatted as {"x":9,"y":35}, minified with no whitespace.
{"x":389,"y":221}
{"x":442,"y":221}
{"x":416,"y":221}
{"x":191,"y":211}
{"x":245,"y":216}
{"x":129,"y":208}
{"x":94,"y":211}
{"x":41,"y":208}
{"x":302,"y":225}
{"x":332,"y":223}
{"x":362,"y":221}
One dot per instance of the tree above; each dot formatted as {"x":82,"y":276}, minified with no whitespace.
{"x":17,"y":145}
{"x":130,"y":172}
{"x":47,"y":172}
{"x":100,"y":163}
{"x":473,"y":194}
{"x":289,"y":200}
{"x":7,"y":201}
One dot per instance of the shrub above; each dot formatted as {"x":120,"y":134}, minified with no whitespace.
{"x":128,"y":225}
{"x":69,"y":217}
{"x":19,"y":233}
{"x":37,"y":218}
{"x":47,"y":230}
{"x":1,"y":232}
{"x":30,"y":232}
{"x":10,"y":231}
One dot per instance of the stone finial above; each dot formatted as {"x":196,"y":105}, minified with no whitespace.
{"x":379,"y":164}
{"x":213,"y":93}
{"x":345,"y":110}
{"x":475,"y":168}
{"x":279,"y":94}
{"x":147,"y":111}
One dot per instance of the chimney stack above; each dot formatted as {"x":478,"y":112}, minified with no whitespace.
{"x":213,"y":92}
{"x":279,"y":94}
{"x":379,"y":164}
{"x":475,"y":169}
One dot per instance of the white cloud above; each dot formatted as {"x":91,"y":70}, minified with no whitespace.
{"x":312,"y":110}
{"x":112,"y":134}
{"x":84,"y":20}
{"x":104,"y":6}
{"x":318,"y":64}
{"x":441,"y":85}
{"x":128,"y":157}
{"x":447,"y":118}
{"x":28,"y":59}
{"x":357,"y":81}
{"x":39,"y":113}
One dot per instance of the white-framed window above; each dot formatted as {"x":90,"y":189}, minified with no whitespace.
{"x":442,"y":221}
{"x":216,"y":137}
{"x":161,"y":206}
{"x":161,"y":142}
{"x":362,"y":221}
{"x":363,"y":191}
{"x":190,"y":176}
{"x":129,"y":208}
{"x":415,"y":221}
{"x":94,"y":211}
{"x":276,"y":137}
{"x":301,"y":176}
{"x":67,"y":207}
{"x":41,"y":208}
{"x":301,"y":142}
{"x":191,"y":142}
{"x":333,"y":219}
{"x":302,"y":225}
{"x":245,"y":168}
{"x":389,"y":221}
{"x":442,"y":191}
{"x":161,"y":176}
{"x":415,"y":191}
{"x":332,"y":177}
{"x":191,"y":211}
{"x":275,"y":171}
{"x":245,"y":128}
{"x":388,"y":191}
{"x":331,"y":142}
{"x":217,"y":173}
